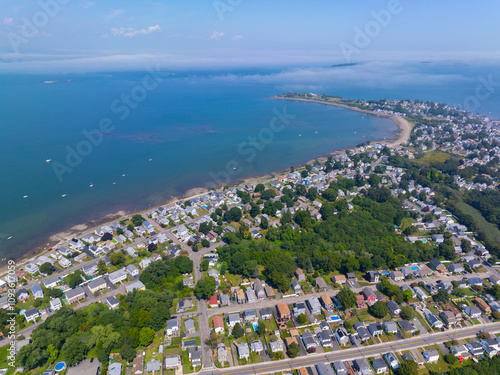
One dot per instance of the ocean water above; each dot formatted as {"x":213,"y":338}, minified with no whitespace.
{"x":194,"y":129}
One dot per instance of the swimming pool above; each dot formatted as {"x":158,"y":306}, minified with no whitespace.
{"x":60,"y":366}
{"x":255,"y":325}
{"x":335,"y":318}
{"x":415,"y":268}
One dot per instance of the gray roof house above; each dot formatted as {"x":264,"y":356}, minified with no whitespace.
{"x":324,"y":369}
{"x":190,"y":327}
{"x":363,"y":366}
{"x":153,"y":365}
{"x":243,"y":350}
{"x":233,"y":318}
{"x":340,"y":367}
{"x":37,"y":291}
{"x":393,"y":308}
{"x":391,"y":327}
{"x":379,"y":366}
{"x":375,"y":329}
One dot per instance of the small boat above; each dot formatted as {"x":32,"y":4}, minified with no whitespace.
{"x":300,"y":135}
{"x":64,"y":195}
{"x":150,"y":159}
{"x":123,"y":175}
{"x":91,"y":184}
{"x":114,"y":183}
{"x":48,"y":160}
{"x":9,"y":237}
{"x":25,"y":196}
{"x":316,"y":132}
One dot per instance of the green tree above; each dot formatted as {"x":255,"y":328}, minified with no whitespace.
{"x":128,"y":352}
{"x":293,"y":350}
{"x":408,"y":367}
{"x":183,"y":264}
{"x":347,"y":298}
{"x":378,"y":309}
{"x":259,"y":188}
{"x":146,"y":336}
{"x":130,"y":227}
{"x":312,"y":194}
{"x":441,"y":296}
{"x":302,"y":319}
{"x":407,"y":313}
{"x":74,"y":279}
{"x":73,"y":350}
{"x":450,"y":358}
{"x":205,"y":288}
{"x":264,"y":223}
{"x":238,"y":331}
{"x":234,"y":214}
{"x":204,"y":265}
{"x":105,"y":336}
{"x":117,"y":259}
{"x":205,"y":243}
{"x":330,"y":194}
{"x":47,"y":268}
{"x":261,"y":328}
{"x":407,"y":295}
{"x":101,"y":267}
{"x":254,"y":210}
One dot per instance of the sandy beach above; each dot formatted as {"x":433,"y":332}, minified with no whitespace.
{"x":58,"y":239}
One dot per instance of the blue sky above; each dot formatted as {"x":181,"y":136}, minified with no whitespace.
{"x":85,"y":35}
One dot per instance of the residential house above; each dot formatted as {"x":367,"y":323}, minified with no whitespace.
{"x":256,"y":346}
{"x":221,"y":353}
{"x":132,"y":270}
{"x":379,"y":366}
{"x":97,"y":285}
{"x":472,"y":311}
{"x":423,"y":296}
{"x":456,"y":268}
{"x":153,"y":366}
{"x":362,"y":366}
{"x":300,"y":274}
{"x":218,"y":324}
{"x":351,"y":277}
{"x":74,"y":295}
{"x":309,"y":342}
{"x":239,"y":295}
{"x":266,"y":314}
{"x":431,"y":356}
{"x":475,"y":348}
{"x":324,"y":369}
{"x":115,"y":368}
{"x":184,"y":305}
{"x":249,"y":315}
{"x":32,"y":314}
{"x":250,"y":294}
{"x":448,"y":317}
{"x":117,"y":276}
{"x":269,"y":292}
{"x":137,"y":285}
{"x":394,"y":308}
{"x":144,"y":262}
{"x":458,"y":315}
{"x":459,"y":351}
{"x":243,"y":350}
{"x":360,"y":302}
{"x":224,"y":299}
{"x":37,"y":292}
{"x":397,"y":275}
{"x":340,"y":368}
{"x":189,"y":325}
{"x":50,"y":283}
{"x":483,"y":306}
{"x":232,"y":319}
{"x":436,"y":265}
{"x":391,"y":327}
{"x":172,"y":361}
{"x":259,"y":290}
{"x":375,"y":329}
{"x":188,"y":281}
{"x":324,"y":338}
{"x":474,"y":281}
{"x":391,"y":360}
{"x":55,"y":304}
{"x":296,"y":287}
{"x":283,"y":311}
{"x":173,"y":327}
{"x":372,"y":276}
{"x":361,"y":331}
{"x":326,"y":302}
{"x":406,"y":326}
{"x":369,"y":295}
{"x":112,"y":302}
{"x":433,"y":320}
{"x":341,"y":336}
{"x":276,"y":345}
{"x":314,"y":305}
{"x":299,"y":308}
{"x":339,"y":279}
{"x":321,"y":284}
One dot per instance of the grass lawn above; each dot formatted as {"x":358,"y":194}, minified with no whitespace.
{"x":488,"y":228}
{"x":187,"y":369}
{"x":433,"y":156}
{"x":172,"y":350}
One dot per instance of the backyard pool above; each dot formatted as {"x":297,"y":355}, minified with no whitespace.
{"x":60,"y":366}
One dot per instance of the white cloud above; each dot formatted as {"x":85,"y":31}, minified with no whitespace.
{"x":131,"y":32}
{"x":217,"y":35}
{"x":8,"y":21}
{"x":113,"y":14}
{"x":237,"y":37}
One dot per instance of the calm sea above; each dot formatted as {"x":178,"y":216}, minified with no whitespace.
{"x":193,"y":129}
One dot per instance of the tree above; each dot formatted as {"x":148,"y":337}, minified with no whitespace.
{"x":441,"y":296}
{"x":407,"y":295}
{"x":137,"y":220}
{"x":117,"y":259}
{"x":450,"y":358}
{"x":47,"y":268}
{"x":184,"y":264}
{"x":101,"y":267}
{"x":330,"y":194}
{"x":146,"y":336}
{"x":408,"y":367}
{"x":261,"y":328}
{"x":205,"y":263}
{"x":74,"y":279}
{"x":293,"y":350}
{"x":205,"y":228}
{"x":347,"y":298}
{"x":130,"y":227}
{"x":127,"y":352}
{"x":205,"y":243}
{"x":254,"y":210}
{"x":312,"y":194}
{"x":55,"y":292}
{"x":407,"y":313}
{"x":378,"y":309}
{"x":238,"y":331}
{"x":264,"y":223}
{"x":302,"y":319}
{"x":73,"y":350}
{"x":259,"y":188}
{"x":205,"y":288}
{"x":234,"y":214}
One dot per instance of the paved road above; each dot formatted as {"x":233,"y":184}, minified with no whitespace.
{"x":351,"y":354}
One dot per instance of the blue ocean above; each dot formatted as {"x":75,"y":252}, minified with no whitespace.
{"x":76,"y":147}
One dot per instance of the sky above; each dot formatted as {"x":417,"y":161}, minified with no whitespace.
{"x":84,"y":35}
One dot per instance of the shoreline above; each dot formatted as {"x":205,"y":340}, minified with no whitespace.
{"x":57,"y":239}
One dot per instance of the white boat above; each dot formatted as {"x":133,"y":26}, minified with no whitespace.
{"x":123,"y":175}
{"x":9,"y":237}
{"x":25,"y":196}
{"x":91,"y":184}
{"x":64,"y":195}
{"x":150,"y":159}
{"x":114,"y":183}
{"x":48,"y":160}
